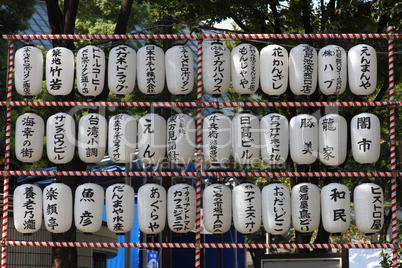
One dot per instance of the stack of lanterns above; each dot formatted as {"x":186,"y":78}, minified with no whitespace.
{"x":275,"y":207}
{"x":272,"y":69}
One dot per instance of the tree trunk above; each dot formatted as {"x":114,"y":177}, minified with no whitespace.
{"x":306,"y":16}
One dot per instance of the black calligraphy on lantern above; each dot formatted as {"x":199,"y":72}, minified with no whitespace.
{"x":93,"y":136}
{"x":176,"y":127}
{"x":185,"y":69}
{"x":55,"y":70}
{"x":304,"y":212}
{"x":150,"y":69}
{"x":155,"y":207}
{"x":28,"y":132}
{"x":59,"y":137}
{"x":338,"y":213}
{"x":29,"y":208}
{"x":364,"y":123}
{"x":308,"y":69}
{"x":218,"y":67}
{"x":274,"y":138}
{"x":117,"y":136}
{"x":250,"y":210}
{"x":365,"y":67}
{"x":181,"y":209}
{"x":217,"y":211}
{"x":51,"y":209}
{"x":117,"y":208}
{"x":26,"y":70}
{"x":278,"y":208}
{"x":87,"y":195}
{"x":334,"y":70}
{"x":248,"y":68}
{"x":90,"y":76}
{"x":278,"y":65}
{"x":121,"y":65}
{"x":246,"y":136}
{"x":213,"y":135}
{"x":377,"y":208}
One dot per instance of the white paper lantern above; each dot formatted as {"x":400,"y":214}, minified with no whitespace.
{"x":303,"y":70}
{"x":332,"y":70}
{"x":59,"y":71}
{"x":88,"y":207}
{"x":246,"y":204}
{"x":92,"y":133}
{"x":150,"y":69}
{"x":369,"y":207}
{"x":216,"y":69}
{"x":305,"y":202}
{"x":180,"y":138}
{"x":122,"y":138}
{"x":303,"y":139}
{"x":274,"y":66}
{"x":29,"y":135}
{"x":57,"y":207}
{"x":179,"y":65}
{"x":276,"y":210}
{"x":366,"y":138}
{"x":362,"y":69}
{"x":181,"y":208}
{"x":217,"y":129}
{"x":274,"y":139}
{"x":28,"y":71}
{"x":217,"y":206}
{"x":119,"y":200}
{"x":27,"y":208}
{"x":246,"y":138}
{"x":332,"y":139}
{"x":91,"y":65}
{"x":245,"y":69}
{"x":122,"y":70}
{"x":151,"y":208}
{"x":335,"y":207}
{"x":60,"y":138}
{"x":151,"y":139}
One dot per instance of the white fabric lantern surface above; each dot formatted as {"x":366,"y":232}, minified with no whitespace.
{"x":246,"y":138}
{"x":245,"y":65}
{"x":91,"y":65}
{"x":57,"y":207}
{"x":276,"y":210}
{"x":217,"y":205}
{"x":332,"y":70}
{"x":27,"y":208}
{"x":29,"y":135}
{"x":274,"y":68}
{"x":216,"y":69}
{"x":332,"y":139}
{"x":150,"y":69}
{"x":179,"y":66}
{"x":180,"y":138}
{"x":88,"y":207}
{"x":28,"y":71}
{"x":362,"y":69}
{"x":303,"y":70}
{"x":217,"y":129}
{"x":303,"y":139}
{"x":246,"y":204}
{"x":151,"y":139}
{"x":369,"y":207}
{"x":305,"y":202}
{"x":274,"y":139}
{"x":151,"y":208}
{"x":335,"y":207}
{"x":122,"y":138}
{"x":365,"y":138}
{"x":92,"y":135}
{"x":119,"y":199}
{"x":122,"y":70}
{"x":60,"y":138}
{"x":59,"y":71}
{"x":181,"y":208}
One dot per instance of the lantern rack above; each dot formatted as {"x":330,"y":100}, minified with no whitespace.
{"x":391,"y":104}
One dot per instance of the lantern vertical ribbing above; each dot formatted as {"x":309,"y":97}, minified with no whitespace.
{"x":198,"y":157}
{"x":7,"y":153}
{"x":391,"y":88}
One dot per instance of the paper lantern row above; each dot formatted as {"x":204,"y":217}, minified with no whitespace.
{"x":95,"y":133}
{"x":275,"y":205}
{"x":244,"y":66}
{"x":245,"y":137}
